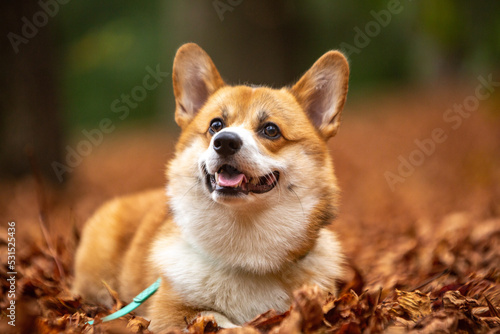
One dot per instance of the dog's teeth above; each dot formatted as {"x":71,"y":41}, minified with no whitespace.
{"x":270,"y":179}
{"x":254,"y":181}
{"x":273,"y":178}
{"x":217,"y":178}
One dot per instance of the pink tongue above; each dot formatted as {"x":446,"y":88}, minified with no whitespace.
{"x":226,"y":180}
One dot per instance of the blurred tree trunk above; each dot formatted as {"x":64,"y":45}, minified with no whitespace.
{"x":29,"y":118}
{"x":249,"y":41}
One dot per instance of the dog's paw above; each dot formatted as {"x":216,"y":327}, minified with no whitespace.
{"x":221,"y":320}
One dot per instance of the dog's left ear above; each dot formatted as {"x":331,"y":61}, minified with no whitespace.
{"x":195,"y":78}
{"x":322,"y":92}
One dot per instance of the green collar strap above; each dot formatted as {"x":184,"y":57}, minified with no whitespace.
{"x":136,"y":302}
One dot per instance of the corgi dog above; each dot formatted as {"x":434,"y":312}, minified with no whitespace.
{"x":243,"y":220}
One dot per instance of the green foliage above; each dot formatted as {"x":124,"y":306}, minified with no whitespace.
{"x":105,"y":50}
{"x":106,"y":46}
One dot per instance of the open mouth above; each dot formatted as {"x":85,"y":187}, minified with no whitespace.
{"x":230,"y":180}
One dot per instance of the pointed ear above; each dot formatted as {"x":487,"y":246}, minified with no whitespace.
{"x":195,"y":78}
{"x":322,"y":91}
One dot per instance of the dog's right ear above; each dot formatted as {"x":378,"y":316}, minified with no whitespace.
{"x":322,"y":92}
{"x":195,"y":78}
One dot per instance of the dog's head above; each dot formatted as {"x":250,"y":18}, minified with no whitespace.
{"x":252,"y":143}
{"x":247,"y":149}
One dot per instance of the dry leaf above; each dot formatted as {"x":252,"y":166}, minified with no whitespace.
{"x":138,"y":325}
{"x":453,"y":299}
{"x":290,"y":325}
{"x":239,"y":330}
{"x":415,"y":304}
{"x":203,"y":324}
{"x":268,"y":320}
{"x":308,"y":302}
{"x":341,"y":308}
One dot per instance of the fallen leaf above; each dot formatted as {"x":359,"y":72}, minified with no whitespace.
{"x":203,"y":324}
{"x":341,"y":308}
{"x":138,"y":325}
{"x":267,"y":320}
{"x":415,"y":304}
{"x":308,"y":302}
{"x":454,"y":299}
{"x":290,"y":325}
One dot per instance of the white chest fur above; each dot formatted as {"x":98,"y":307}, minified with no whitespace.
{"x":206,"y":284}
{"x":240,"y":295}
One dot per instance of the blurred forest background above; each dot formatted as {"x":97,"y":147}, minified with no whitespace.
{"x":63,"y":77}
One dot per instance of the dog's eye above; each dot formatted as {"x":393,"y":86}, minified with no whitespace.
{"x":271,"y":131}
{"x":216,"y":125}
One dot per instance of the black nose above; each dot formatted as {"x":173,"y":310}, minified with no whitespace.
{"x":227,"y":143}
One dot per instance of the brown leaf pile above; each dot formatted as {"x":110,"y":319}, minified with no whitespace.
{"x":456,"y":300}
